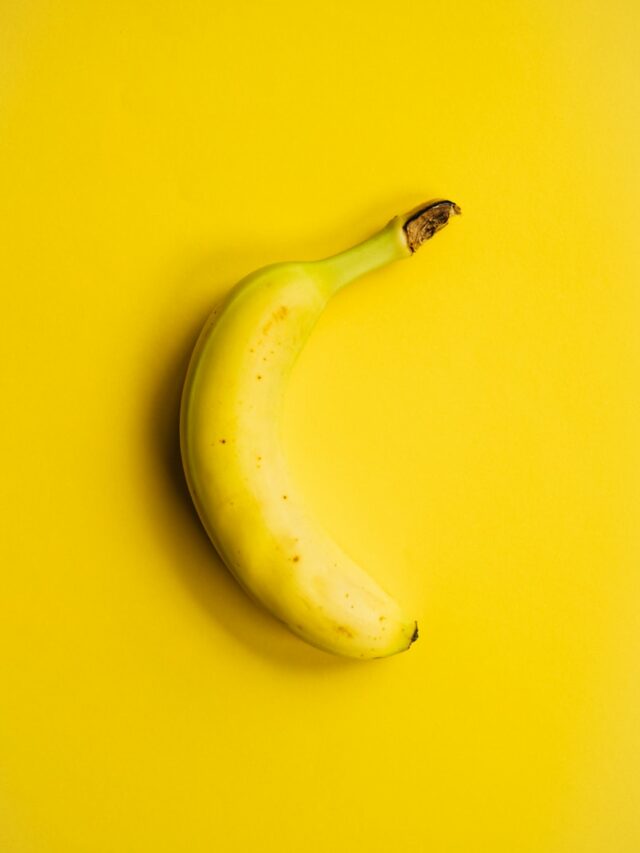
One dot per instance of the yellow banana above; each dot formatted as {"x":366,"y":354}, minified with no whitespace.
{"x":233,"y":458}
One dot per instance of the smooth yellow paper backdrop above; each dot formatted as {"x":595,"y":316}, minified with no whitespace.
{"x":466,"y":424}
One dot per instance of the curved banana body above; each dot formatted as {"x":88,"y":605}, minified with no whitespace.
{"x":234,"y":462}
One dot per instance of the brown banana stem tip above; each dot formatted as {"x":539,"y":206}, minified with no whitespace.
{"x":427,"y":220}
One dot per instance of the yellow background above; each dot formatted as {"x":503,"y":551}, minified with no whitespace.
{"x":466,"y":424}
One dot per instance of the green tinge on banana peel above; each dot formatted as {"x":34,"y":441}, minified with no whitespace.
{"x":233,"y":459}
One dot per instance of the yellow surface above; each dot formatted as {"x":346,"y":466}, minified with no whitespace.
{"x":465,"y":423}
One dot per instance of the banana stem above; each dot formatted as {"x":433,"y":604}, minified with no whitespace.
{"x":377,"y":251}
{"x":399,"y":239}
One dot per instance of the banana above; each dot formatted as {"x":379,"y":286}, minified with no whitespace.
{"x":233,"y":457}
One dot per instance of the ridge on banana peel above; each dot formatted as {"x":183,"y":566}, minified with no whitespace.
{"x":234,"y":462}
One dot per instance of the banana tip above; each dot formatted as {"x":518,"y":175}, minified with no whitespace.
{"x":422,"y":223}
